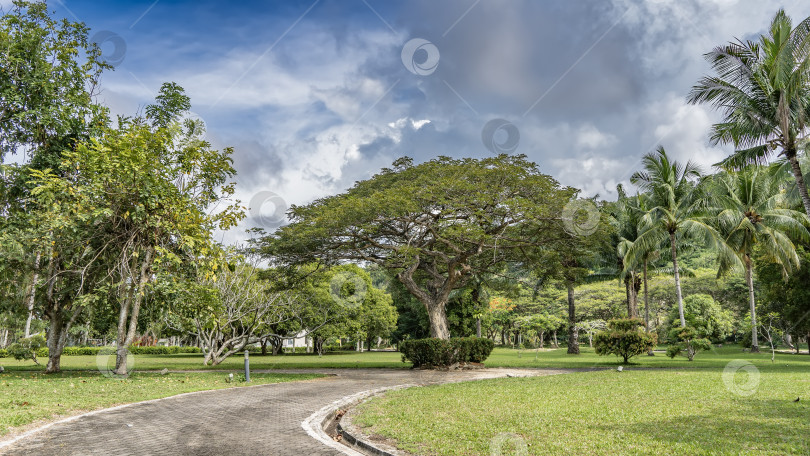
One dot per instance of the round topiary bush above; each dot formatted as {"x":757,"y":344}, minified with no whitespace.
{"x":624,"y":337}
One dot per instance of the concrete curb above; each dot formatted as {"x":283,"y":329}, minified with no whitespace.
{"x":369,"y":448}
{"x":315,"y":423}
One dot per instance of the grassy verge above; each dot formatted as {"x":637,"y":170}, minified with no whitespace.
{"x":714,"y":358}
{"x":633,"y":412}
{"x":194,"y":362}
{"x":29,"y":397}
{"x":501,"y":357}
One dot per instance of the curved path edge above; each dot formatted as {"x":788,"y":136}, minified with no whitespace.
{"x":8,"y":441}
{"x":274,"y":419}
{"x":314,"y":424}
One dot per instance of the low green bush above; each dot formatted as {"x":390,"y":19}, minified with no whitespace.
{"x":686,"y":341}
{"x":442,"y":353}
{"x":27,"y":349}
{"x":3,"y":353}
{"x":135,"y":350}
{"x":624,"y":337}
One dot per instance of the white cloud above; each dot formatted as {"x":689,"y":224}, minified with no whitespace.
{"x":589,"y":137}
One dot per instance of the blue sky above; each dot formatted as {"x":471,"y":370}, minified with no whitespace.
{"x":315,"y":95}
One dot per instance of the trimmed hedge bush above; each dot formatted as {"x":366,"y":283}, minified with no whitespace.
{"x":443,"y":353}
{"x":92,"y":351}
{"x":624,"y":337}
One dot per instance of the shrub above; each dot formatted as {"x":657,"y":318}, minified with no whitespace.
{"x":443,"y":353}
{"x":686,"y":340}
{"x":624,"y":337}
{"x":3,"y":353}
{"x":704,"y":314}
{"x":135,"y":350}
{"x":27,"y":348}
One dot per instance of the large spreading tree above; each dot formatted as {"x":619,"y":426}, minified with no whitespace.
{"x":434,"y":225}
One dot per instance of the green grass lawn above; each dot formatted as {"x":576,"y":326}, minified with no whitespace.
{"x":186,"y":361}
{"x":29,"y":397}
{"x":715,"y":358}
{"x":683,"y":412}
{"x":501,"y":357}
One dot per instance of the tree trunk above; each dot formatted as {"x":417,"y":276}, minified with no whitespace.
{"x":31,"y":296}
{"x":435,"y":301}
{"x":631,"y":290}
{"x":264,"y":346}
{"x":797,"y":174}
{"x":628,"y":295}
{"x":478,"y":327}
{"x":556,"y":344}
{"x":542,"y":337}
{"x":55,"y":330}
{"x":438,"y":320}
{"x":573,"y":332}
{"x":647,"y":306}
{"x":130,"y":308}
{"x":646,"y":301}
{"x":57,"y":337}
{"x":678,"y":292}
{"x":749,"y":280}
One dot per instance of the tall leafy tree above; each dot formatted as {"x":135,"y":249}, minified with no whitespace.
{"x":678,"y":210}
{"x":147,"y":188}
{"x":763,"y":89}
{"x":435,"y":225}
{"x":49,"y":72}
{"x":753,"y":214}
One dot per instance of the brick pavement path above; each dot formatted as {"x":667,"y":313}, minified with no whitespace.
{"x":260,"y":420}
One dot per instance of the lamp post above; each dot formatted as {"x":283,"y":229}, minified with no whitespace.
{"x":247,"y":365}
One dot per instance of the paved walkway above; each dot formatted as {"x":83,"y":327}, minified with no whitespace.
{"x":262,"y":420}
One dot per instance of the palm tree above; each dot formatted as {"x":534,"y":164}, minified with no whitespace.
{"x":752,"y":212}
{"x":763,"y":89}
{"x":677,"y":211}
{"x":625,"y":216}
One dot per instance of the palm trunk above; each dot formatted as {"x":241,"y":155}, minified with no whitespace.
{"x":749,"y":280}
{"x":797,"y":174}
{"x":678,"y":292}
{"x":647,"y":306}
{"x":646,"y":301}
{"x":632,"y":286}
{"x":628,"y":291}
{"x":573,"y":333}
